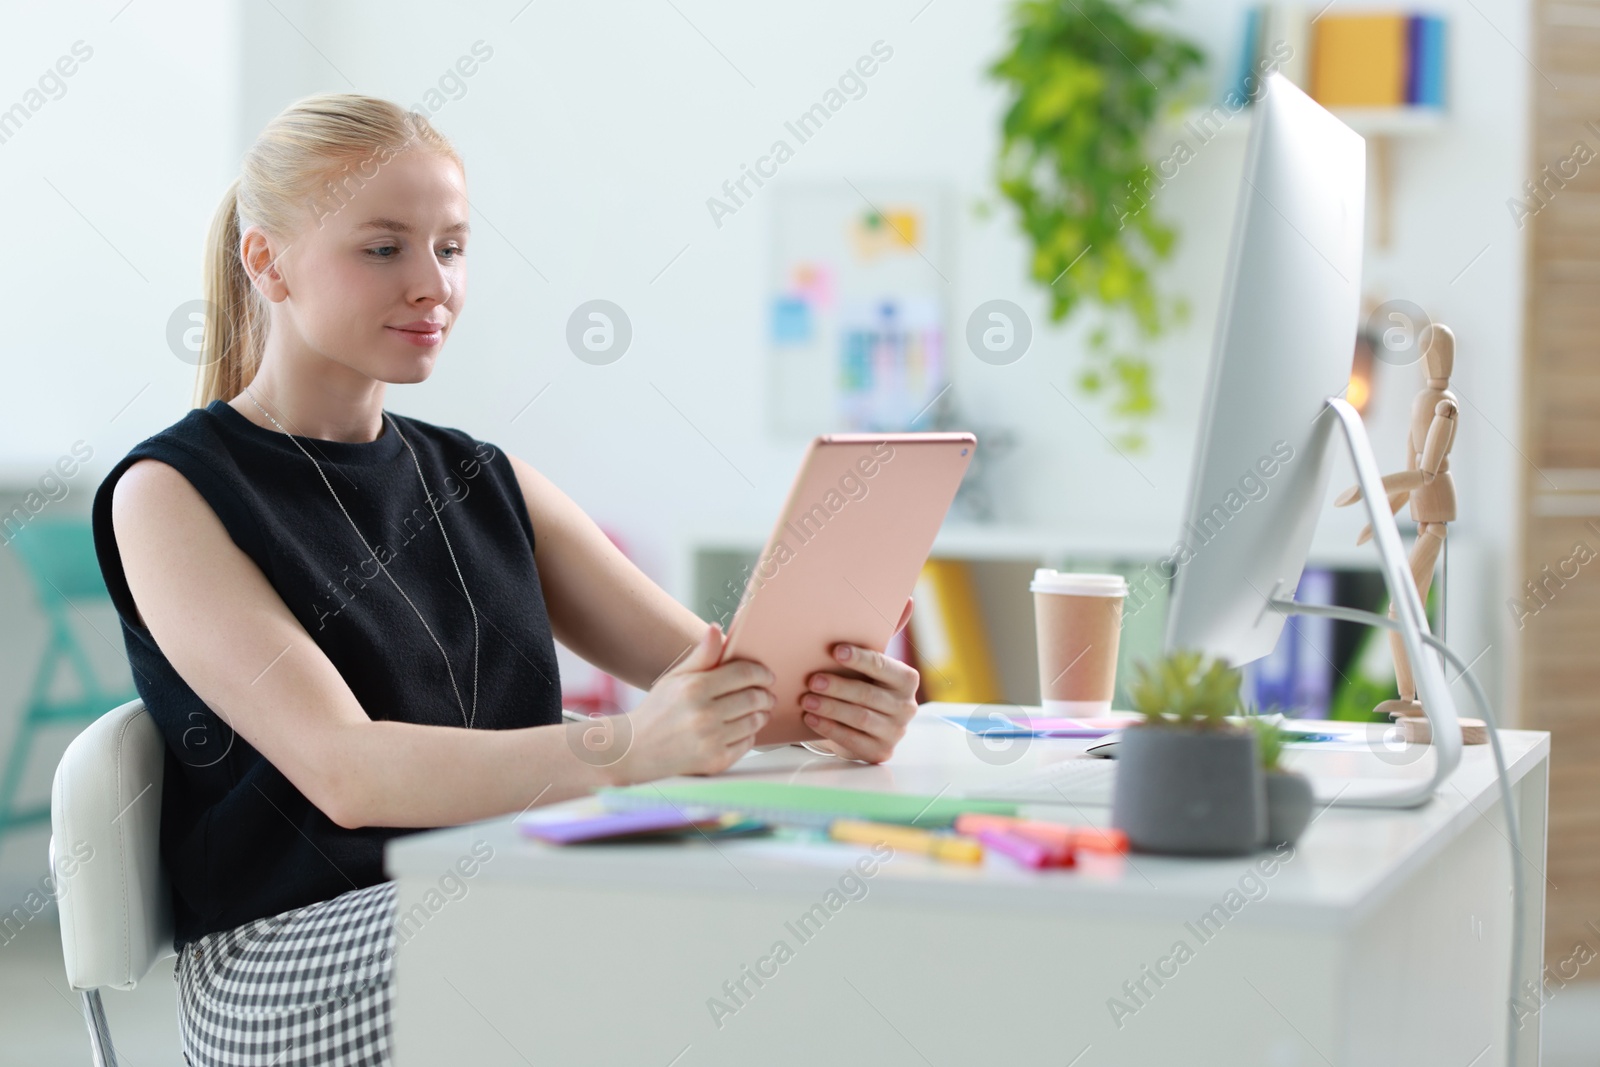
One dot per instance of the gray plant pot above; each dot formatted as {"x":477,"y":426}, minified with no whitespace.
{"x":1289,"y":802}
{"x":1190,"y":792}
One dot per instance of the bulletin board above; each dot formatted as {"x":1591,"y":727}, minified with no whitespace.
{"x":858,"y":305}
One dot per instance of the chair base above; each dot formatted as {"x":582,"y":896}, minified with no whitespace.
{"x":94,"y":1014}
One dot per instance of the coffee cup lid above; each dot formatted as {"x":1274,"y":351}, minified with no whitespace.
{"x":1046,"y":580}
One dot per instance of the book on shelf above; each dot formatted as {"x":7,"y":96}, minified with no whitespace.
{"x":1359,"y":60}
{"x":1297,"y":676}
{"x":948,"y":636}
{"x":1426,"y":51}
{"x":1248,"y":53}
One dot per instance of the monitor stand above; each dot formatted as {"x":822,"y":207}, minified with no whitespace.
{"x":1409,"y":619}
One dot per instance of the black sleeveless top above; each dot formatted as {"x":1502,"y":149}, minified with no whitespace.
{"x":239,"y":842}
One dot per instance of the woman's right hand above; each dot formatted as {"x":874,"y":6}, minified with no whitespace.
{"x":699,"y":717}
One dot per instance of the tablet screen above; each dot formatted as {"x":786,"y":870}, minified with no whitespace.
{"x":843,"y":557}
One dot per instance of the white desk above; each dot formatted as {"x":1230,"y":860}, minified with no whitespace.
{"x":1384,"y":939}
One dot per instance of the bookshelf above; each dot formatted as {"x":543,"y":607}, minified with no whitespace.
{"x":1407,"y":121}
{"x":1384,"y":73}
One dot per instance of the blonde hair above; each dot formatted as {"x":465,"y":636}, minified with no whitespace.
{"x":287,"y":178}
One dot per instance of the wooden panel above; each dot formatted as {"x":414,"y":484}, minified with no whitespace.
{"x":1562,"y":395}
{"x":1559,"y":632}
{"x":1561,"y":682}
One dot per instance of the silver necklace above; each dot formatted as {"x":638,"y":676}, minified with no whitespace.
{"x":374,"y":556}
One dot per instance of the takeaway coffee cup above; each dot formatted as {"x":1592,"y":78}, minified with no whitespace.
{"x":1079,"y":619}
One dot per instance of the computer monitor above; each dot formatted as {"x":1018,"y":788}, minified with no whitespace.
{"x":1281,"y":360}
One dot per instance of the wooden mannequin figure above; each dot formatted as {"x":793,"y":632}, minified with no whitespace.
{"x":1428,"y":486}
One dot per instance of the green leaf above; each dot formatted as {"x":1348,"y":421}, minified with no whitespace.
{"x":1185,"y":687}
{"x":1085,"y":81}
{"x":1269,"y":740}
{"x":1132,"y":441}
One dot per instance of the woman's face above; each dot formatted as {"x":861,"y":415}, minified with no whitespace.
{"x":375,"y":278}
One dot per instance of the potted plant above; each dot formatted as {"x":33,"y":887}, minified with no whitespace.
{"x":1189,"y":780}
{"x":1087,"y":82}
{"x":1289,"y":796}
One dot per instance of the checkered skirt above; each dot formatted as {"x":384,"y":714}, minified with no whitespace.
{"x":307,"y":988}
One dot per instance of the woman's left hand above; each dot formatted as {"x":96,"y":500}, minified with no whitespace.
{"x":861,"y":719}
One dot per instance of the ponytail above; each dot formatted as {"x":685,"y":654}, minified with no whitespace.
{"x":235,"y":326}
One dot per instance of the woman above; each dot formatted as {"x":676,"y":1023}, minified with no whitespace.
{"x":342,"y":618}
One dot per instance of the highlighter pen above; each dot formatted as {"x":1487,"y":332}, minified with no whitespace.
{"x":1055,"y":839}
{"x":1024,"y":850}
{"x":907,"y":838}
{"x":1055,"y":835}
{"x":1109,"y":840}
{"x":1087,"y":838}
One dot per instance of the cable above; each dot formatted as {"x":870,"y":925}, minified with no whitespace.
{"x":1513,"y":831}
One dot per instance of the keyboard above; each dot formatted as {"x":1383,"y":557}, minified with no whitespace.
{"x":1082,"y":780}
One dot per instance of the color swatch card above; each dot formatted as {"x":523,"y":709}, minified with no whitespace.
{"x":992,"y":723}
{"x":654,"y":822}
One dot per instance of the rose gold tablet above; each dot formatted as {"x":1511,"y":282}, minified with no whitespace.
{"x":844,"y":558}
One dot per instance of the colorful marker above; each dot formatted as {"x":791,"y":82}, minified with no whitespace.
{"x":907,"y":839}
{"x":1062,"y":836}
{"x":1094,"y":839}
{"x":1025,"y":850}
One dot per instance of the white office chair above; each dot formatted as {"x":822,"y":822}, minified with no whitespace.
{"x":116,"y":909}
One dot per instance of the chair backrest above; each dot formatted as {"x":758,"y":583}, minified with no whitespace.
{"x":60,"y":558}
{"x":105,"y":851}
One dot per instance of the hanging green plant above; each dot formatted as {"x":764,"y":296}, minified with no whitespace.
{"x":1087,"y":82}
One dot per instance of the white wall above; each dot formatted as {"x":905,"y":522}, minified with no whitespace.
{"x":108,"y":193}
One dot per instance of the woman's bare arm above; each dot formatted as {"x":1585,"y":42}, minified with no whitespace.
{"x":234,"y":641}
{"x":601,"y":605}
